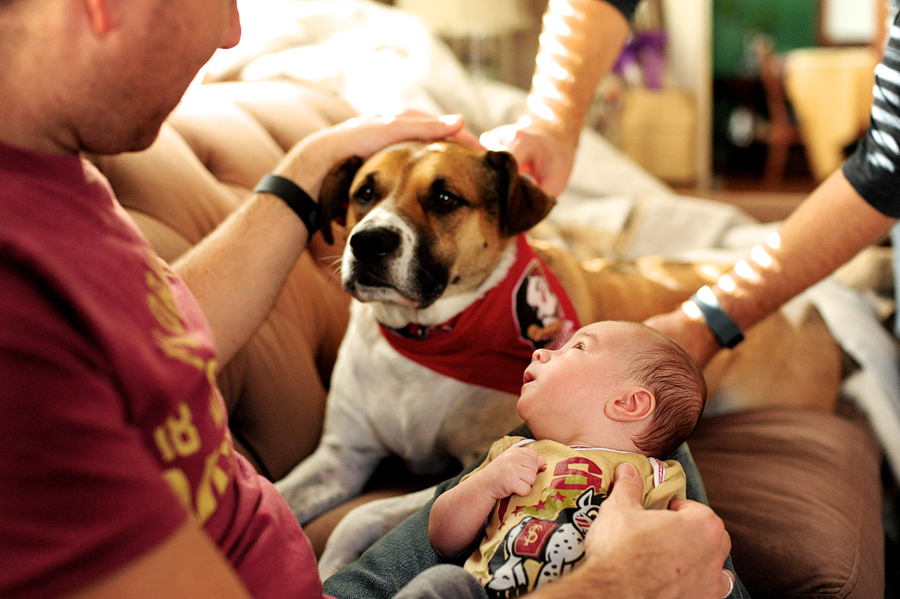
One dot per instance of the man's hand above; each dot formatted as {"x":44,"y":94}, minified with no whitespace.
{"x":674,"y":553}
{"x":309,"y":161}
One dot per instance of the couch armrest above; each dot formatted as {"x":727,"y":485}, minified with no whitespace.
{"x":800,"y":493}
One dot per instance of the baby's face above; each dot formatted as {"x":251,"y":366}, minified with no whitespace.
{"x":564,"y":390}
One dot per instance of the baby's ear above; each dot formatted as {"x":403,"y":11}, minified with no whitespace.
{"x":637,"y":404}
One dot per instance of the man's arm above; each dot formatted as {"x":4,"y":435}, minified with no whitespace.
{"x":187,"y":565}
{"x":579,"y":44}
{"x":237,"y":271}
{"x":829,"y":228}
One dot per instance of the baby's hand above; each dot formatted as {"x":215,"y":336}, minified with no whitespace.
{"x":513,"y":472}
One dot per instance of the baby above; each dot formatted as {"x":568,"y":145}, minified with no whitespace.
{"x":616,"y":392}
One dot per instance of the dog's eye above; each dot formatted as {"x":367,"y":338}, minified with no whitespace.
{"x":364,"y":195}
{"x":444,"y":201}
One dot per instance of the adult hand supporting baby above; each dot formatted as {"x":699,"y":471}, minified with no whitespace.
{"x":663,"y":554}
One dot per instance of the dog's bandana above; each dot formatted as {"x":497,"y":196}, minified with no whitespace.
{"x":490,"y":343}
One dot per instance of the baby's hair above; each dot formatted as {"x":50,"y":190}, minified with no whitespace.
{"x":676,"y":380}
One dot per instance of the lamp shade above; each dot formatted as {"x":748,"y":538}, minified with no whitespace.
{"x":466,"y":18}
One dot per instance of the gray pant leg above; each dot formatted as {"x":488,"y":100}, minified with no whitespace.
{"x":443,"y":582}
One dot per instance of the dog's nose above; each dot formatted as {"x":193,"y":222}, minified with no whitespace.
{"x":372,"y":244}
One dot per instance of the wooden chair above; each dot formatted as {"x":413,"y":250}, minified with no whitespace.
{"x":782,"y":132}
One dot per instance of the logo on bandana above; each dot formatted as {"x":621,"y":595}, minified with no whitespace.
{"x":539,"y":315}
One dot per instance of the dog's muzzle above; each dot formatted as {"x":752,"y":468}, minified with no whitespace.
{"x":379,"y":265}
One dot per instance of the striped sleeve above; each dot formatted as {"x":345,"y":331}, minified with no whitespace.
{"x":874,"y":167}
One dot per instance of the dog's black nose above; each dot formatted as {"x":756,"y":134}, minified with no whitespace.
{"x":372,"y":244}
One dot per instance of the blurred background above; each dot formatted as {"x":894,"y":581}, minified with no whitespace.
{"x":748,"y":101}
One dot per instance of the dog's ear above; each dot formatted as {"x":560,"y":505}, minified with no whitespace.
{"x":334,"y":198}
{"x":522,"y":203}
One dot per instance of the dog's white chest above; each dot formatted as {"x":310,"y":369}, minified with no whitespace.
{"x":425,"y":417}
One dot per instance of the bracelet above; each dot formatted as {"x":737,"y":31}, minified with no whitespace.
{"x":298,"y":200}
{"x":723,"y":328}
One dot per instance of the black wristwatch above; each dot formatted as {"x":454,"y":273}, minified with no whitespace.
{"x":298,"y":200}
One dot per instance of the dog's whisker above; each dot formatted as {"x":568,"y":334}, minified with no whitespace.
{"x":336,"y":265}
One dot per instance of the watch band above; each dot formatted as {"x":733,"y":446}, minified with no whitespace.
{"x":298,"y":200}
{"x":723,"y":328}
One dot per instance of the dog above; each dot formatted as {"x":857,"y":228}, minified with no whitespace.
{"x":430,"y":367}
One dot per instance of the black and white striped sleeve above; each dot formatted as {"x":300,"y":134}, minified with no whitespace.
{"x":874,"y":167}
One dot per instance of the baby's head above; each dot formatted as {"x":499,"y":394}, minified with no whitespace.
{"x":620,"y":385}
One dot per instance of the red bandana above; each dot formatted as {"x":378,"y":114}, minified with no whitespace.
{"x":490,"y":344}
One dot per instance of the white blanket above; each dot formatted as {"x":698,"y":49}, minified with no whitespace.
{"x":382,"y":60}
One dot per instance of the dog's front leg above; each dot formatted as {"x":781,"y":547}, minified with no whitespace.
{"x":350,"y":449}
{"x":330,"y":476}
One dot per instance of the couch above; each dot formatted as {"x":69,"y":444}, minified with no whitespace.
{"x":800,"y":492}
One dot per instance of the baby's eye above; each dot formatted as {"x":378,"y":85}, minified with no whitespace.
{"x":579,"y":346}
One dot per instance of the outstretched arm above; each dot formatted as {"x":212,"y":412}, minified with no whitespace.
{"x":580,"y":42}
{"x":458,"y":515}
{"x":829,"y":228}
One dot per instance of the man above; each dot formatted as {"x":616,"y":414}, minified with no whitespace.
{"x":119,"y":476}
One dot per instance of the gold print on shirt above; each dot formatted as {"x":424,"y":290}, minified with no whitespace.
{"x":160,"y":299}
{"x":177,"y":437}
{"x":214,"y":481}
{"x":172,"y":338}
{"x":212,"y":484}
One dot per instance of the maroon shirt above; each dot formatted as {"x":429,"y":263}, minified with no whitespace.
{"x":112,"y":429}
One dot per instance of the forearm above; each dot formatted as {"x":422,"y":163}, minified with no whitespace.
{"x":457,"y":517}
{"x":237,"y":271}
{"x":831,"y":226}
{"x":828,"y":229}
{"x":580,"y":42}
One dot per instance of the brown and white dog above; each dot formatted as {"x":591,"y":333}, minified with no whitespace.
{"x":450,"y":301}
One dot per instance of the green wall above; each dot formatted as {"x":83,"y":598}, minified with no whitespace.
{"x":790,"y":23}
